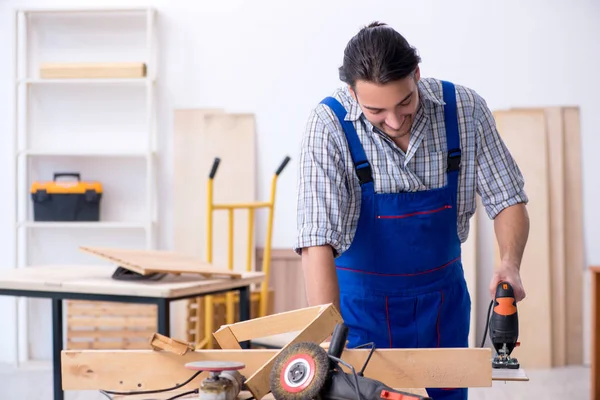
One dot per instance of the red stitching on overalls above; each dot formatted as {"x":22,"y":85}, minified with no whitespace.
{"x":413,"y":274}
{"x":387,"y":316}
{"x":446,"y":207}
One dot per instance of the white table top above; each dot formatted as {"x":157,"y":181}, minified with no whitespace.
{"x":93,"y":279}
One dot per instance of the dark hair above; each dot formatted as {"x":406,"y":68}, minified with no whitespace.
{"x":378,"y":54}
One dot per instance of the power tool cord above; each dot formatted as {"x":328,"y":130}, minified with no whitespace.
{"x":138,"y":392}
{"x":487,"y":323}
{"x":355,"y":374}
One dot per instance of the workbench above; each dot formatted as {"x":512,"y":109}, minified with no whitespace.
{"x":91,"y":282}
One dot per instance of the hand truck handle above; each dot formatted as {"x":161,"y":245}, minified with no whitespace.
{"x":213,"y":170}
{"x":282,"y":166}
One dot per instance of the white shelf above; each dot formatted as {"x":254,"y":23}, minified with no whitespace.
{"x":85,"y":225}
{"x":104,"y":128}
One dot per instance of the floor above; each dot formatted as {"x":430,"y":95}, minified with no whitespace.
{"x":35,"y":383}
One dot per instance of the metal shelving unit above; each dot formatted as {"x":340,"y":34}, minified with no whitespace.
{"x":104,"y":152}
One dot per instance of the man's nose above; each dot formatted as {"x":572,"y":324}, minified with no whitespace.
{"x":393,"y":121}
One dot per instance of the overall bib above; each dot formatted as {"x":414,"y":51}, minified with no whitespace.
{"x":401,"y":281}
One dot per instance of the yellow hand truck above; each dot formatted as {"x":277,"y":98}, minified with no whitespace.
{"x":209,"y":301}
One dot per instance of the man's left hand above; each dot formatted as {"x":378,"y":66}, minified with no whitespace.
{"x":510,"y":274}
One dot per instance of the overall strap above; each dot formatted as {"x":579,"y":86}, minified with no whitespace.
{"x":452,"y":134}
{"x":359,"y":158}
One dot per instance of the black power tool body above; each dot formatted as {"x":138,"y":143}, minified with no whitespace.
{"x":306,"y":371}
{"x":504,"y":326}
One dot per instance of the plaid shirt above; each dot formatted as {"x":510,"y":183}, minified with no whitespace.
{"x":329,"y":193}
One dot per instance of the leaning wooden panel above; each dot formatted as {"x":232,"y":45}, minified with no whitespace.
{"x":199,"y":137}
{"x":123,"y":370}
{"x":524,"y":133}
{"x":556,"y":145}
{"x":556,"y":157}
{"x":574,"y":250}
{"x":189,"y":205}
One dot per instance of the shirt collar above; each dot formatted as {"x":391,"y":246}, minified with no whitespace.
{"x":426,"y":94}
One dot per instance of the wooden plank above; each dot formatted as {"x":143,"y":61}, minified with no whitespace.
{"x":399,"y":368}
{"x":49,"y":70}
{"x":524,"y":133}
{"x":574,"y":250}
{"x":160,"y":261}
{"x":554,"y":126}
{"x":226,"y":338}
{"x":276,"y":323}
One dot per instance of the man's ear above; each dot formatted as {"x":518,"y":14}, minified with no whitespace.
{"x":417,"y":74}
{"x":352,"y":92}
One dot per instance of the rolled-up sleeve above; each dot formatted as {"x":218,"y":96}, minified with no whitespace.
{"x":323,"y":197}
{"x":500,"y":182}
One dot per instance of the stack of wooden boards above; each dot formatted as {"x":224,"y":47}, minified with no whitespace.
{"x":200,"y":136}
{"x":545,"y":143}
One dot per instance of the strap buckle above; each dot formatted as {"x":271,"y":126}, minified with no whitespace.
{"x":364,"y":172}
{"x":454,"y":156}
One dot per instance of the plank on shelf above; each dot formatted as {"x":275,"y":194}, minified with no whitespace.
{"x":111,"y":70}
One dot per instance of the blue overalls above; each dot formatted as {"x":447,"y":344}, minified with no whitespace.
{"x":401,"y":281}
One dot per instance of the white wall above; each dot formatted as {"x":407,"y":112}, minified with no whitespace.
{"x":263,"y":57}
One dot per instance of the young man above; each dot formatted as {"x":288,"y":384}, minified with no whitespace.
{"x":390,"y":166}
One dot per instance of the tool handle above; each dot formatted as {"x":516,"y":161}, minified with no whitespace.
{"x":213,"y":170}
{"x":282,"y":165}
{"x":338,"y":340}
{"x":68,"y":174}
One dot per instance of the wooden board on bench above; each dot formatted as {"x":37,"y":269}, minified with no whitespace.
{"x":147,"y":262}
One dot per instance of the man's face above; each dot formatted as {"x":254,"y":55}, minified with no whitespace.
{"x":390,"y":107}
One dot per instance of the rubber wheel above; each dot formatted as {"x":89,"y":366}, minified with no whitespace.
{"x":299,"y":372}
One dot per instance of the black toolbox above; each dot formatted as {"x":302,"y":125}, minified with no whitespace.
{"x":71,"y":200}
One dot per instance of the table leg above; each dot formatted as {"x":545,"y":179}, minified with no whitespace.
{"x":164,"y":319}
{"x":57,"y":346}
{"x":245,"y":311}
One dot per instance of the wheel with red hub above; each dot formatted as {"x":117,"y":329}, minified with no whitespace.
{"x":299,"y":372}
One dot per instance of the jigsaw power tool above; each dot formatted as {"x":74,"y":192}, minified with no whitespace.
{"x":306,"y":371}
{"x":504,"y":326}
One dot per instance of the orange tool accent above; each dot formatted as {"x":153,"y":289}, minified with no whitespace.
{"x":398,"y":396}
{"x":506,"y":306}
